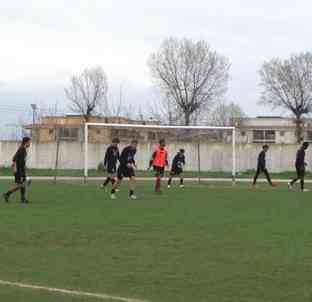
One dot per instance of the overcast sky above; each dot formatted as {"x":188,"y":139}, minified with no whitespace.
{"x":44,"y":42}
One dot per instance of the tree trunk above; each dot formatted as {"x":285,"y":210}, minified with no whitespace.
{"x":87,"y":118}
{"x":187,"y":118}
{"x":299,"y":129}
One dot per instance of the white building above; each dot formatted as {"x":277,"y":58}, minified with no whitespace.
{"x":271,"y":130}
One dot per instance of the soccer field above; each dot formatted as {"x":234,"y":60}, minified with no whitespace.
{"x":201,"y":243}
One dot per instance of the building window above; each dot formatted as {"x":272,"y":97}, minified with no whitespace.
{"x":51,"y":131}
{"x":243,"y":133}
{"x":282,"y":133}
{"x":309,"y":136}
{"x":264,"y":136}
{"x":69,"y":133}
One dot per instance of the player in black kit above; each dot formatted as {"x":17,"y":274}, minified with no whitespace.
{"x":261,"y":166}
{"x":177,"y":168}
{"x":19,"y":171}
{"x":110,"y":162}
{"x":300,"y":167}
{"x":126,"y":169}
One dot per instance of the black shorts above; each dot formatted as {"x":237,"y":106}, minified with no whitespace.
{"x":20,"y":178}
{"x":124,"y":171}
{"x":176,"y":171}
{"x":159,"y":170}
{"x":111,"y":169}
{"x":300,"y":171}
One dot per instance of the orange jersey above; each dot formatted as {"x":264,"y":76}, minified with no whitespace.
{"x":160,"y":157}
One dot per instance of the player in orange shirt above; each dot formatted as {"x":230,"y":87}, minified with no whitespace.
{"x":159,"y":162}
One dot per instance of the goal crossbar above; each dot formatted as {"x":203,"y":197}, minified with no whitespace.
{"x":106,"y":125}
{"x":140,"y":126}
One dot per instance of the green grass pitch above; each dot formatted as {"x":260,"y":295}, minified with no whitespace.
{"x":201,"y":243}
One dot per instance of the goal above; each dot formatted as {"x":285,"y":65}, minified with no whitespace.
{"x":209,"y":151}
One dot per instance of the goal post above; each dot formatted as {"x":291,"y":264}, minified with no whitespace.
{"x":156,"y":127}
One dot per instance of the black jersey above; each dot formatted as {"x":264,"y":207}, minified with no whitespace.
{"x":111,"y":157}
{"x":300,"y":163}
{"x":127,"y":156}
{"x":262,"y":160}
{"x":20,"y":160}
{"x":178,"y":161}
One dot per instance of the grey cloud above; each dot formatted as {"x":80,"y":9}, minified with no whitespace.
{"x":246,"y":31}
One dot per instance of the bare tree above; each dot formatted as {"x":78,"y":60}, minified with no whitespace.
{"x":164,"y":110}
{"x":190,"y":73}
{"x":115,"y":108}
{"x":287,"y":84}
{"x":51,"y":110}
{"x":87,"y":92}
{"x":118,"y":106}
{"x":226,"y":114}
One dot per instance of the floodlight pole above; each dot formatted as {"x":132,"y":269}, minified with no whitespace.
{"x":86,"y":157}
{"x":34,"y":108}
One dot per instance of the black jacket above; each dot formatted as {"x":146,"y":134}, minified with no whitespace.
{"x":127,"y":156}
{"x":262,"y":160}
{"x":178,"y":161}
{"x":300,"y":163}
{"x":20,"y":160}
{"x":111,"y":156}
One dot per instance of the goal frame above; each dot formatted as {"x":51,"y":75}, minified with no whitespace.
{"x":140,"y":126}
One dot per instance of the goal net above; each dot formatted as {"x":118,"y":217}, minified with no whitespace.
{"x":210,"y":152}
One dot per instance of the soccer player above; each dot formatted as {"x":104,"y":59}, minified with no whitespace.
{"x":126,"y":169}
{"x":110,"y":162}
{"x":159,"y":162}
{"x":19,"y":171}
{"x":300,"y":167}
{"x":177,"y":168}
{"x":261,"y":167}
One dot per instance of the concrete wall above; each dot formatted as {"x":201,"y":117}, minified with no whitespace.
{"x":214,"y":156}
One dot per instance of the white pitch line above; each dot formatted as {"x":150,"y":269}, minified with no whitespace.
{"x":193,"y":179}
{"x":69,"y":292}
